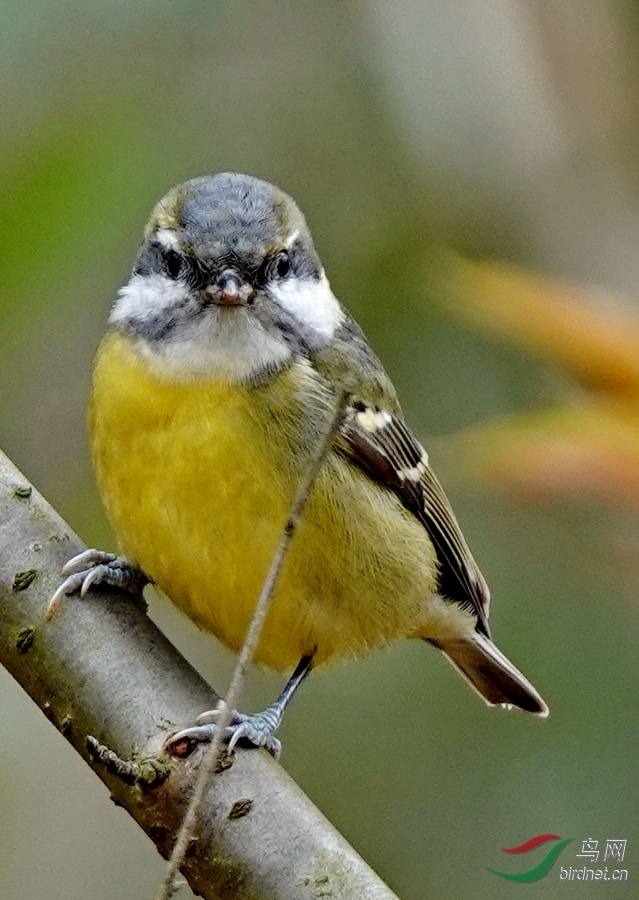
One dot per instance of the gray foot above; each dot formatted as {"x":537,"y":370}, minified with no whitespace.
{"x":258,"y":729}
{"x":97,"y":567}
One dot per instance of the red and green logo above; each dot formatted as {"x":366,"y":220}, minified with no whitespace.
{"x":542,"y":868}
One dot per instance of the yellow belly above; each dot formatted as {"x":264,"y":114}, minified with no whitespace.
{"x":197,"y":485}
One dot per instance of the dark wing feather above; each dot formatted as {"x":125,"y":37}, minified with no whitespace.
{"x":384,"y":447}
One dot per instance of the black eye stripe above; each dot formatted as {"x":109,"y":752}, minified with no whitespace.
{"x":278,"y":266}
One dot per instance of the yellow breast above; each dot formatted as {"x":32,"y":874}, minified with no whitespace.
{"x":197,"y":479}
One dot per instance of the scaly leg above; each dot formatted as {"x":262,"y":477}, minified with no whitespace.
{"x":97,"y":567}
{"x":259,"y":729}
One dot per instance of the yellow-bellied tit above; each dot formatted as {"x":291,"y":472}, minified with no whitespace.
{"x":213,"y":386}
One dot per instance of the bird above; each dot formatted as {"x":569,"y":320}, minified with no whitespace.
{"x":216,"y":378}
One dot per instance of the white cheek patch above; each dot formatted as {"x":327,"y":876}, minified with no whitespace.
{"x":311,"y":302}
{"x":145,"y":296}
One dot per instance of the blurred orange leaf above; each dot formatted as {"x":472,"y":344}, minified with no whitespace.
{"x":590,"y":333}
{"x":588,"y":449}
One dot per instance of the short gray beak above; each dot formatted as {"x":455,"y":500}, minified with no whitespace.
{"x":230,"y":290}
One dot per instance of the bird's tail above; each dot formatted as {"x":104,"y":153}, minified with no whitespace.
{"x":491,"y":674}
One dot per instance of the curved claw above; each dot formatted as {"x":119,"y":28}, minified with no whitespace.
{"x":210,"y":715}
{"x":257,"y":730}
{"x":96,"y":567}
{"x":94,"y":576}
{"x":69,"y":586}
{"x":86,"y":560}
{"x":182,"y":742}
{"x":255,"y":736}
{"x":205,"y":718}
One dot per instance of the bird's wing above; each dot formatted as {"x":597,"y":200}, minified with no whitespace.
{"x":382,"y":445}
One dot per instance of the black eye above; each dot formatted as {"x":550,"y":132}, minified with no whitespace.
{"x":173,"y":263}
{"x":282,"y":264}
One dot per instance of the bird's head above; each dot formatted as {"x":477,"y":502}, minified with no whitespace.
{"x":227,"y":282}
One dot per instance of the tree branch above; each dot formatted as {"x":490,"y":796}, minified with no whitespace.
{"x":101,"y":669}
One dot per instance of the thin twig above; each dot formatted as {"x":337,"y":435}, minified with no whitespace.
{"x":209,"y":759}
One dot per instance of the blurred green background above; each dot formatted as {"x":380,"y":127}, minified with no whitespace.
{"x":408,"y":132}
